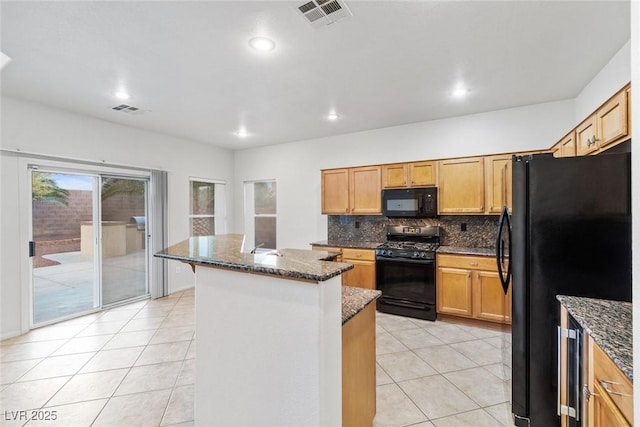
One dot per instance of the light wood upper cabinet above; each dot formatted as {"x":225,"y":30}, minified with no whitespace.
{"x":566,"y":147}
{"x":422,"y":174}
{"x":335,"y":191}
{"x":365,"y":190}
{"x":607,"y":125}
{"x":351,"y":191}
{"x":461,"y":186}
{"x":612,"y":120}
{"x":415,"y":174}
{"x":395,"y":176}
{"x":586,"y":136}
{"x":498,"y":183}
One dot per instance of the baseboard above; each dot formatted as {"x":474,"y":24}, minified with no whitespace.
{"x":11,"y":334}
{"x":173,"y":291}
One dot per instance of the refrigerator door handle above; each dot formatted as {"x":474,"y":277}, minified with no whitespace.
{"x":559,"y":366}
{"x":577,"y":374}
{"x":505,"y":274}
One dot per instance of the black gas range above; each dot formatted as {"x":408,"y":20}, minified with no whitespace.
{"x":406,"y":271}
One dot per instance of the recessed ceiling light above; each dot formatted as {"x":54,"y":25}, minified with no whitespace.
{"x":262,"y":44}
{"x":333,"y":116}
{"x":460,"y":92}
{"x":122,"y":95}
{"x":242,"y":133}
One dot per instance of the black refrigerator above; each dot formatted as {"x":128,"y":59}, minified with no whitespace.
{"x":570,"y":234}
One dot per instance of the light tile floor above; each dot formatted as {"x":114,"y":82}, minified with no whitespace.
{"x":135,"y":366}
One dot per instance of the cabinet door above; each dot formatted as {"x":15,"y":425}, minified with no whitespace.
{"x":454,"y":291}
{"x":365,"y":190}
{"x":498,"y":183}
{"x":335,"y":191}
{"x":585,"y":136}
{"x":566,"y":147}
{"x":394,"y":175}
{"x":489,"y":300}
{"x":461,"y":186}
{"x":612,"y":120}
{"x":422,"y":174}
{"x":605,"y":413}
{"x":363,"y":274}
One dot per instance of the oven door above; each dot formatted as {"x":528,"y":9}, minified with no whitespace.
{"x":408,"y":287}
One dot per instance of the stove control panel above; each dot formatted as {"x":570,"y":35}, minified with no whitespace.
{"x":404,"y":253}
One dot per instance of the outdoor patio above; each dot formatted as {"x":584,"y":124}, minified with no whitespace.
{"x":69,"y":287}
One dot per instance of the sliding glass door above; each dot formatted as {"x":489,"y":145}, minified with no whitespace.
{"x":65,"y":268}
{"x":89,"y":244}
{"x":124,"y":239}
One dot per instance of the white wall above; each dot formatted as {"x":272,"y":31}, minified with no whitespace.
{"x":608,"y":81}
{"x":296,"y":166}
{"x":39,"y":129}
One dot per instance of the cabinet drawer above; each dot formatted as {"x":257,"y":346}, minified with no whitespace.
{"x":359,"y":254}
{"x":613,"y":382}
{"x":468,"y":262}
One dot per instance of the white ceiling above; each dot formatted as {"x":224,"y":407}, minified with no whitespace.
{"x":189,"y":66}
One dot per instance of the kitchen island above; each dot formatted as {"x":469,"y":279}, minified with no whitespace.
{"x":269,"y":330}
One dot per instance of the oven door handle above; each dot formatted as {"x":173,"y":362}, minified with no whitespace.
{"x":407,"y":260}
{"x":405,"y":304}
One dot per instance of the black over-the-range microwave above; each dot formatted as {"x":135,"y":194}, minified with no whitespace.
{"x":410,"y":202}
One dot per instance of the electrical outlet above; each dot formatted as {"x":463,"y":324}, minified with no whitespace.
{"x":463,"y":226}
{"x":357,"y":224}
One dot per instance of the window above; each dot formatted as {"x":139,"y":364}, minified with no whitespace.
{"x":260,"y":213}
{"x":206,"y":214}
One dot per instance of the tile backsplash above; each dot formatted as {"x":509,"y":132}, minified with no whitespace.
{"x":480,"y":230}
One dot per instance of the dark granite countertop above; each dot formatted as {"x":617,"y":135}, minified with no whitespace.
{"x":347,"y":244}
{"x":354,"y":300}
{"x":609,"y":324}
{"x":460,"y":250}
{"x":227,"y":251}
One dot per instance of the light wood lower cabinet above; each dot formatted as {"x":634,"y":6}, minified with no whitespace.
{"x":454,"y":291}
{"x":363,"y":274}
{"x":610,"y":392}
{"x":607,"y":393}
{"x":469,"y":286}
{"x":359,"y":369}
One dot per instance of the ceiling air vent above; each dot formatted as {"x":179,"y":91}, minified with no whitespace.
{"x":128,"y":109}
{"x":324,"y":12}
